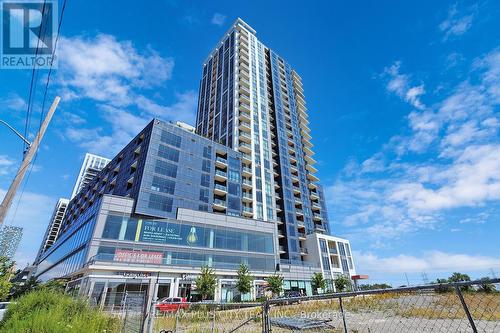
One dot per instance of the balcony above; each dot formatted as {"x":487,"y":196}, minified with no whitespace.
{"x":244,"y":136}
{"x":245,"y":126}
{"x":247,"y":171}
{"x":246,"y":158}
{"x":312,"y":177}
{"x":245,"y":83}
{"x":244,"y":116}
{"x":316,"y":206}
{"x":247,"y":197}
{"x":247,"y":211}
{"x":244,"y":106}
{"x":303,"y":251}
{"x":310,"y":168}
{"x":219,"y":204}
{"x":319,"y":229}
{"x":299,"y":211}
{"x":245,"y":147}
{"x":302,"y":236}
{"x":220,"y":162}
{"x":246,"y":183}
{"x":220,"y":189}
{"x":220,"y":175}
{"x":281,"y":249}
{"x":280,"y":234}
{"x":317,"y":217}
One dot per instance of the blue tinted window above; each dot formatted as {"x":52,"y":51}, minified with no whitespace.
{"x":160,"y":203}
{"x":163,"y":185}
{"x":168,"y":153}
{"x":207,"y":152}
{"x":205,"y":179}
{"x":204,"y":194}
{"x":206,"y":165}
{"x":166,"y":169}
{"x":234,"y":189}
{"x":170,"y":138}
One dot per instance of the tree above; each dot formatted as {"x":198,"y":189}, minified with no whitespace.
{"x":318,"y":282}
{"x":275,"y":284}
{"x":341,"y":283}
{"x":374,"y":286}
{"x":245,"y":280}
{"x":6,"y":266}
{"x":460,"y":277}
{"x":486,"y":286}
{"x":206,"y":282}
{"x":19,"y":289}
{"x":440,"y":288}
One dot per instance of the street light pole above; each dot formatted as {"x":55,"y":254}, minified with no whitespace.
{"x":28,"y":157}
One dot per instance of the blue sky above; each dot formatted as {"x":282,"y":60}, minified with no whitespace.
{"x":403,"y":101}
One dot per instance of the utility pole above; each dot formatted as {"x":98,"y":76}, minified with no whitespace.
{"x":28,"y":157}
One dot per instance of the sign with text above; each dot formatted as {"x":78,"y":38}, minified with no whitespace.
{"x":28,"y":29}
{"x":142,"y":257}
{"x":159,"y":232}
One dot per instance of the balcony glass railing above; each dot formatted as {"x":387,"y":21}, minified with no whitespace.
{"x":221,"y":173}
{"x":220,"y":202}
{"x":247,"y":195}
{"x":247,"y":156}
{"x":247,"y":169}
{"x":246,"y":145}
{"x":247,"y":209}
{"x":221,"y":187}
{"x":221,"y":159}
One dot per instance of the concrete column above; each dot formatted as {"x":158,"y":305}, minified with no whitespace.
{"x":174,"y":287}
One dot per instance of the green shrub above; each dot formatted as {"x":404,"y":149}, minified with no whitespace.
{"x":49,"y":311}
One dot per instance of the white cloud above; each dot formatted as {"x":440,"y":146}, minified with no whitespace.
{"x":108,"y":70}
{"x":431,"y":261}
{"x":118,"y":78}
{"x":449,"y":158}
{"x":13,"y":102}
{"x":33,"y":214}
{"x":456,"y":24}
{"x":218,"y":19}
{"x":399,"y":84}
{"x":7,"y":165}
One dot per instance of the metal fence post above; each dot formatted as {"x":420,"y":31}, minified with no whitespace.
{"x":466,"y":309}
{"x":213,"y":320}
{"x":343,"y":314}
{"x":265,"y":317}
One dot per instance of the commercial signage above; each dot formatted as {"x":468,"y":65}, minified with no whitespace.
{"x":134,"y":274}
{"x":142,"y":257}
{"x":159,"y":232}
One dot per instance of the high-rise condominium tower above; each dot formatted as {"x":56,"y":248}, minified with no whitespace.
{"x":10,"y":236}
{"x":252,"y":101}
{"x":91,"y":165}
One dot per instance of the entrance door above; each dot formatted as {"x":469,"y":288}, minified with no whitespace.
{"x":163,"y":290}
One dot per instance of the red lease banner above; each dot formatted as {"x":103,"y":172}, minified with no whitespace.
{"x":141,"y":257}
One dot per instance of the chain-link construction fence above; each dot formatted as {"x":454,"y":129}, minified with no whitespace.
{"x":209,"y":317}
{"x":129,"y":307}
{"x":453,"y":307}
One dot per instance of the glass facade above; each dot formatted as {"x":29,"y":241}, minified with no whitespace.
{"x":170,"y":242}
{"x":69,"y":252}
{"x":182,"y":170}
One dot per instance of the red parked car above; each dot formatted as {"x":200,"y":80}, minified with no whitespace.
{"x":172,"y":304}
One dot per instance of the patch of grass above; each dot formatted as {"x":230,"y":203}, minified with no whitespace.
{"x":49,"y":311}
{"x":447,"y":306}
